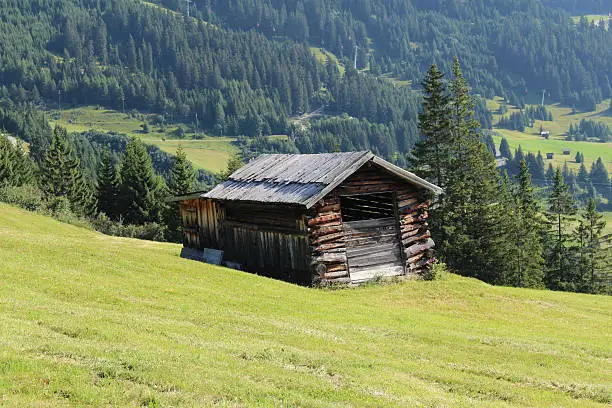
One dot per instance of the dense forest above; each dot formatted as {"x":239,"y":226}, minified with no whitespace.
{"x":243,"y":68}
{"x":509,"y":47}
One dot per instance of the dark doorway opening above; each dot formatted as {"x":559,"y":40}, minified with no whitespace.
{"x":367,"y":207}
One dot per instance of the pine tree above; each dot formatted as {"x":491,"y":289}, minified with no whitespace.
{"x":7,"y":161}
{"x":529,"y":262}
{"x":561,"y":205}
{"x":234,"y":163}
{"x":430,"y":157}
{"x":182,"y":181}
{"x":504,"y":149}
{"x":591,"y":256}
{"x":23,"y":167}
{"x":599,"y":176}
{"x":141,"y":191}
{"x":473,"y":235}
{"x":108,"y":187}
{"x":182,"y":176}
{"x":61,"y":174}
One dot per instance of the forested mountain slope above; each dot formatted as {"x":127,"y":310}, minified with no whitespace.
{"x":507,"y":46}
{"x":245,"y":67}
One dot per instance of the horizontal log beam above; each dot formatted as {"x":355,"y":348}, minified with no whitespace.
{"x":408,"y":241}
{"x":418,"y":248}
{"x":335,"y":275}
{"x":328,"y":238}
{"x":319,"y":232}
{"x":415,"y":259}
{"x":327,"y":247}
{"x":329,"y":208}
{"x":330,"y":258}
{"x":323,"y":219}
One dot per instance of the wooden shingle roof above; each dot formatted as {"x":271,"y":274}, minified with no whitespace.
{"x":300,"y":179}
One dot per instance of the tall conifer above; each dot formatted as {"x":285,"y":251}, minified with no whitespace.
{"x":182,"y":181}
{"x":529,"y":268}
{"x":561,"y":205}
{"x":141,"y":191}
{"x":61,"y":174}
{"x":430,"y":157}
{"x":107,"y":190}
{"x":592,"y":259}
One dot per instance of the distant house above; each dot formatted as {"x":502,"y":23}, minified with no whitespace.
{"x":338,"y":217}
{"x":550,"y":156}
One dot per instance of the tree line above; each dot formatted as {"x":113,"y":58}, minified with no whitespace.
{"x":491,"y":226}
{"x":124,"y":195}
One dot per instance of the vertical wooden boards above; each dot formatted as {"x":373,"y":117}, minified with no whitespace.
{"x":190,"y":222}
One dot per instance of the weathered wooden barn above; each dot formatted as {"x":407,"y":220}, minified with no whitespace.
{"x":338,"y":217}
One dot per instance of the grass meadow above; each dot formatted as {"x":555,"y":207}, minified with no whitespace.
{"x":531,"y":141}
{"x":91,"y":320}
{"x":210,"y":153}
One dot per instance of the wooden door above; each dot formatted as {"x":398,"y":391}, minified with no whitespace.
{"x":373,"y":249}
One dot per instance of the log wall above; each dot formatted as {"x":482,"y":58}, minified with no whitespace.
{"x":332,"y":239}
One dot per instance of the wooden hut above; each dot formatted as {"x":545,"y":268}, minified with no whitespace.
{"x":338,"y":217}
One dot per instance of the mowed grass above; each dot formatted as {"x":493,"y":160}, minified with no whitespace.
{"x":91,"y":320}
{"x":211,"y":153}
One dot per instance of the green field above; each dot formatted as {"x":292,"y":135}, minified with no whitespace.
{"x":324,"y":56}
{"x":211,"y":153}
{"x":531,"y":141}
{"x":91,"y":320}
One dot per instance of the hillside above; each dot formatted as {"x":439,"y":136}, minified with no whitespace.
{"x":531,"y":141}
{"x":90,"y":320}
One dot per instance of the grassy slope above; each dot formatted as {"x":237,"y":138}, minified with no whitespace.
{"x":324,"y":56}
{"x":93,"y":320}
{"x":210,"y":154}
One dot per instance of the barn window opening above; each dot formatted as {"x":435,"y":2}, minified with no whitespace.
{"x":367,"y":207}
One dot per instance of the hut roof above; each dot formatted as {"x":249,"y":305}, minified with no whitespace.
{"x":301,"y":179}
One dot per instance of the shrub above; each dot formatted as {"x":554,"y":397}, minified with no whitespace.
{"x":148,"y":231}
{"x":436,"y":271}
{"x":28,"y":197}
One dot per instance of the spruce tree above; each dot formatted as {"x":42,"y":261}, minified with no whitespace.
{"x":561,"y":206}
{"x":107,"y":190}
{"x":475,"y":221}
{"x":23,"y":167}
{"x":141,"y":191}
{"x":234,"y":163}
{"x":504,"y":149}
{"x":430,"y":157}
{"x":529,"y":269}
{"x":182,"y":181}
{"x":7,"y":161}
{"x":182,"y":176}
{"x":592,"y":258}
{"x":61,"y":174}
